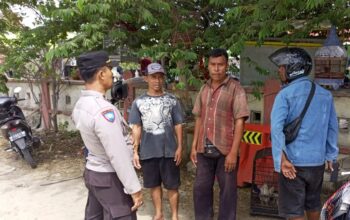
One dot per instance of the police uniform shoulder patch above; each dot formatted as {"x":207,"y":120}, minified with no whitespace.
{"x":109,"y":115}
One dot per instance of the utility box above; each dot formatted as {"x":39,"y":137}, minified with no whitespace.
{"x":255,"y":138}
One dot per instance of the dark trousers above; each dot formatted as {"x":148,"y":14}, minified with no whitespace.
{"x":207,"y":169}
{"x":302,"y":193}
{"x":106,"y":198}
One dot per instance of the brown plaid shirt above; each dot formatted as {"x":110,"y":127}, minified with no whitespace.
{"x":218,"y":110}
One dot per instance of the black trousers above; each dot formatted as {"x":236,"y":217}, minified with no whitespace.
{"x":207,"y":170}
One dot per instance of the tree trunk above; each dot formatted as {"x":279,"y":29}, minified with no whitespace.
{"x":45,"y":104}
{"x":182,"y":78}
{"x":55,"y":88}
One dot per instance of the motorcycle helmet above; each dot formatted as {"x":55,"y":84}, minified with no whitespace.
{"x":297,"y":61}
{"x":119,"y":91}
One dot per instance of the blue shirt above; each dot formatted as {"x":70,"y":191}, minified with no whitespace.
{"x":317,"y":138}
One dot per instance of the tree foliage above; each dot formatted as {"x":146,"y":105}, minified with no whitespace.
{"x":172,"y":31}
{"x":288,"y":20}
{"x":178,"y":32}
{"x":26,"y":48}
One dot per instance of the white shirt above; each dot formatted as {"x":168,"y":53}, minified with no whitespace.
{"x":104,"y":132}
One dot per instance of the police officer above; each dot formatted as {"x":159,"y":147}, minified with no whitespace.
{"x":114,"y":189}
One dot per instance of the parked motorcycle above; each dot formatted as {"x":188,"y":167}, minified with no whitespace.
{"x":337,"y":207}
{"x":15,"y":129}
{"x":119,"y":91}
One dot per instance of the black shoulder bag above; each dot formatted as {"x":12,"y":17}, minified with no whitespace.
{"x":291,"y":129}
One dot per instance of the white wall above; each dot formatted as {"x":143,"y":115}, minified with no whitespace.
{"x":67,"y":89}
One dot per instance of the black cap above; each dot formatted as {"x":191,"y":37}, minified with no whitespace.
{"x":89,"y":62}
{"x":92,"y":60}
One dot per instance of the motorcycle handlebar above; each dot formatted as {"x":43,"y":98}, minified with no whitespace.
{"x":20,"y":99}
{"x":344,"y":173}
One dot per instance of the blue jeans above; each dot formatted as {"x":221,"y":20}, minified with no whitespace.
{"x":207,"y":169}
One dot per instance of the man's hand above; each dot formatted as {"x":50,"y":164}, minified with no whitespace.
{"x":329,"y":166}
{"x":178,"y":155}
{"x":136,"y":160}
{"x":230,"y":162}
{"x":288,"y":170}
{"x":194,"y":156}
{"x":137,"y":199}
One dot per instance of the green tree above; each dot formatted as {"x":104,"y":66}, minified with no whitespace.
{"x":182,"y":31}
{"x":9,"y":21}
{"x":177,"y":32}
{"x":288,"y":20}
{"x":27,"y":48}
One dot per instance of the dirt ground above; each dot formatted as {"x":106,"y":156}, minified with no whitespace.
{"x":55,"y":189}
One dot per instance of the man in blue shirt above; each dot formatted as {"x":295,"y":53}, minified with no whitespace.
{"x":301,"y":163}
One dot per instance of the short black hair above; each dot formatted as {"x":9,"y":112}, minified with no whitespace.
{"x":218,"y":52}
{"x":88,"y":75}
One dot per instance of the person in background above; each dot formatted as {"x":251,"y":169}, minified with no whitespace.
{"x":114,"y":188}
{"x":301,"y":163}
{"x":221,"y":110}
{"x":143,"y":65}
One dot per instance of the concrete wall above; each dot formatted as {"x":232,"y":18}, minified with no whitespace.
{"x":25,"y":93}
{"x":69,"y":90}
{"x":259,"y":55}
{"x":342,"y":103}
{"x":256,"y":105}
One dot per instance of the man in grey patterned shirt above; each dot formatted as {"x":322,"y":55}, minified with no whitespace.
{"x":157,"y":125}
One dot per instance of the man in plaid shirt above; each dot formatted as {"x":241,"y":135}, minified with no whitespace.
{"x":221,"y":109}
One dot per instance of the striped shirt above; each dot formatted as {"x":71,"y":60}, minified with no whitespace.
{"x":218,"y":110}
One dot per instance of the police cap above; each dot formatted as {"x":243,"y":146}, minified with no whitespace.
{"x":89,"y":63}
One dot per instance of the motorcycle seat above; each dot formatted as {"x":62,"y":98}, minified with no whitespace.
{"x":12,"y":118}
{"x":6,"y":102}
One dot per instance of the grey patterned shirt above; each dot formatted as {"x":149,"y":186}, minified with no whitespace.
{"x":157,"y":115}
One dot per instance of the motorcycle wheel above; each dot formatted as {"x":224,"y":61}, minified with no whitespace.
{"x":28,"y":157}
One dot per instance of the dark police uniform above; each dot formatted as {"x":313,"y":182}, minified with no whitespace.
{"x":109,"y":175}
